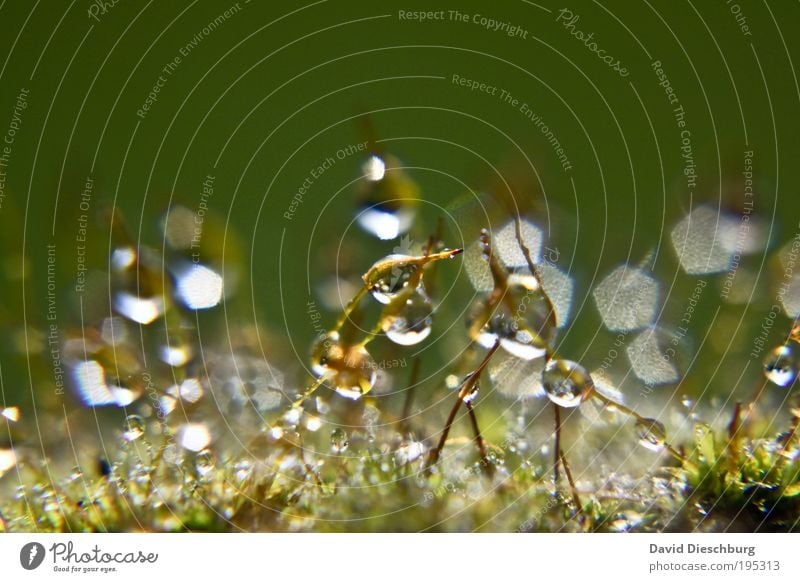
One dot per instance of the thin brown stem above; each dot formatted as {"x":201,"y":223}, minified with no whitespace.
{"x":560,"y":458}
{"x":790,"y":438}
{"x":435,"y":453}
{"x":309,"y":391}
{"x":534,"y":269}
{"x":761,"y":383}
{"x":350,"y":307}
{"x":557,"y":452}
{"x":733,"y":436}
{"x":631,"y":412}
{"x":479,"y":441}
{"x":572,"y":487}
{"x":463,"y":393}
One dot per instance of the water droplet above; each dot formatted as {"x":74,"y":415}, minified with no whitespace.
{"x":139,"y":285}
{"x":339,"y":442}
{"x":566,"y":382}
{"x":123,"y":258}
{"x":522,"y":320}
{"x":243,"y":469}
{"x":204,"y":463}
{"x":387,"y":198}
{"x":313,"y":423}
{"x":389,"y":276}
{"x":386,"y":220}
{"x":651,"y":433}
{"x":626,"y":522}
{"x":11,"y":413}
{"x":292,"y":416}
{"x":410,"y":322}
{"x":138,"y":308}
{"x":198,"y":286}
{"x":322,"y":406}
{"x":452,"y":382}
{"x":194,"y":436}
{"x":8,"y":459}
{"x":350,"y":369}
{"x":474,"y":390}
{"x":409,"y":452}
{"x":325,"y":352}
{"x":189,"y":390}
{"x":780,"y":365}
{"x":175,"y":354}
{"x":479,"y":322}
{"x":166,"y":404}
{"x":134,"y":428}
{"x":93,"y":388}
{"x":374,"y":168}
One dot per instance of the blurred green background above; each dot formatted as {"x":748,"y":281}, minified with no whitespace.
{"x":274,"y":89}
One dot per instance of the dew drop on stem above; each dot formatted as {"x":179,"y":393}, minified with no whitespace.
{"x":780,"y":365}
{"x":651,"y":434}
{"x":339,"y":441}
{"x":134,"y":428}
{"x":410,"y":322}
{"x":566,"y":382}
{"x":349,"y":368}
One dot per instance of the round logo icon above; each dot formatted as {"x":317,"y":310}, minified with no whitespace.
{"x":31,"y":555}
